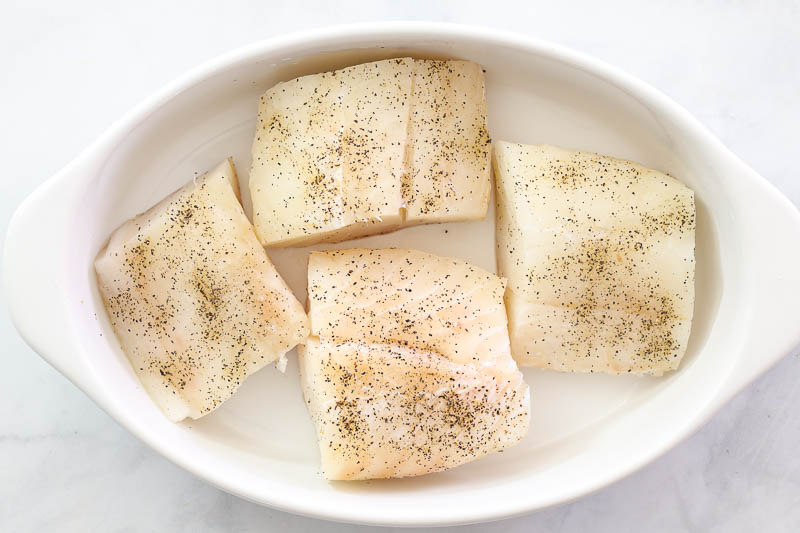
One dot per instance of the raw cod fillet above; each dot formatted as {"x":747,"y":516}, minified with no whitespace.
{"x":329,"y":153}
{"x":368,"y":149}
{"x":447,"y":175}
{"x":193,"y":298}
{"x":599,"y":254}
{"x":408,"y":370}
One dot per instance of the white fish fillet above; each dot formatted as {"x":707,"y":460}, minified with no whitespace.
{"x":193,"y":298}
{"x":408,"y":369}
{"x":599,"y":254}
{"x":447,"y":178}
{"x":329,"y":153}
{"x":368,"y":149}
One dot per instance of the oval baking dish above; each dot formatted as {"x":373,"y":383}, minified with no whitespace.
{"x":586,"y":430}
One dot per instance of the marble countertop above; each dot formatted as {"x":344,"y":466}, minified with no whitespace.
{"x":68,"y":69}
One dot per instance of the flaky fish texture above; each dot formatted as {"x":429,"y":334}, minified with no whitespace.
{"x":599,"y":256}
{"x":368,"y":149}
{"x":408,"y":370}
{"x":193,"y":298}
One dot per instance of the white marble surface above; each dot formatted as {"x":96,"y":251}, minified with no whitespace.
{"x":68,"y":69}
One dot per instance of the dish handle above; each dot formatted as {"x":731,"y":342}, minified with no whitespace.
{"x":34,"y":275}
{"x":771,"y":228}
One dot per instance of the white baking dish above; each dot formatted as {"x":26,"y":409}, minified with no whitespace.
{"x":587,"y":431}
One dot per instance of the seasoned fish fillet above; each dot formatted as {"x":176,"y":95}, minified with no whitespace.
{"x":599,"y":254}
{"x":408,"y":369}
{"x":368,"y":149}
{"x":449,"y":146}
{"x":329,"y":153}
{"x":193,"y":298}
{"x":410,"y":298}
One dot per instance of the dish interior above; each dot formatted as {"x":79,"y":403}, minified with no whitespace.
{"x":263,"y":438}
